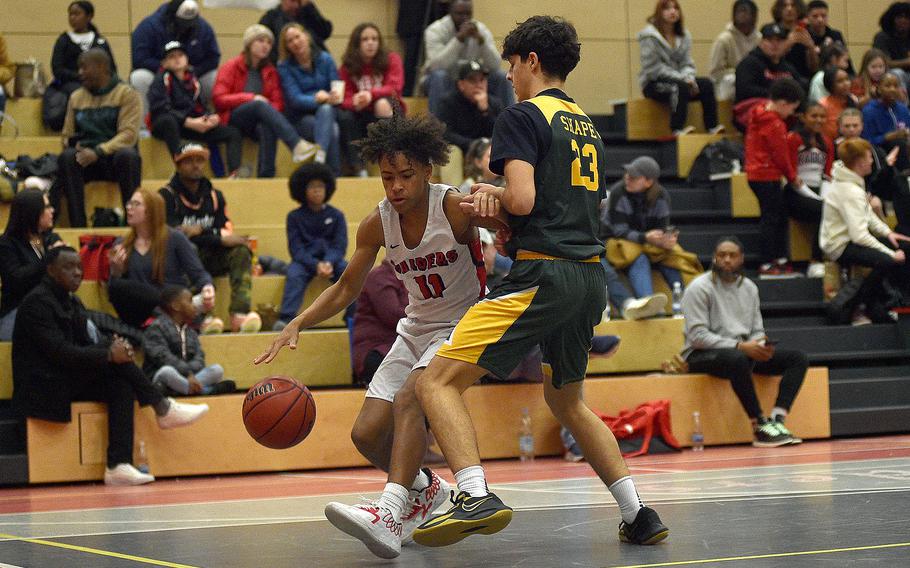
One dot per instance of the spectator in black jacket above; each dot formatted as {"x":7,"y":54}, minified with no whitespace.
{"x":23,"y":247}
{"x":822,"y":34}
{"x":177,"y":110}
{"x":199,"y":211}
{"x":70,"y":45}
{"x":799,"y":49}
{"x":305,"y":13}
{"x":764,"y":65}
{"x":469,"y":112}
{"x":59,"y":358}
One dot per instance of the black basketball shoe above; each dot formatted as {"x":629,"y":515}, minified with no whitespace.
{"x":469,"y":515}
{"x":646,"y":529}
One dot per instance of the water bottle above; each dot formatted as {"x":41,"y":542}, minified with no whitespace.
{"x":677,"y":299}
{"x":698,"y":437}
{"x":526,"y":437}
{"x":142,"y":463}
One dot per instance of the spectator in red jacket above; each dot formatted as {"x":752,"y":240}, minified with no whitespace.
{"x":379,"y":307}
{"x":767,"y":160}
{"x":373,"y":80}
{"x":247,"y":96}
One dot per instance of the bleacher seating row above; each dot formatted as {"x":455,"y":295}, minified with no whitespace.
{"x":75,"y":451}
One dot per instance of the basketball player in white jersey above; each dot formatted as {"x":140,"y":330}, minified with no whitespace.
{"x":435,"y":250}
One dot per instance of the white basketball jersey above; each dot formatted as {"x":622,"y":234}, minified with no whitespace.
{"x":443,"y":277}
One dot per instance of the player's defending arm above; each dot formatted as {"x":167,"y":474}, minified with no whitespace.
{"x":517,"y":197}
{"x":340,"y":294}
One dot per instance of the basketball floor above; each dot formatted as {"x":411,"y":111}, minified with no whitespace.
{"x":832,"y":503}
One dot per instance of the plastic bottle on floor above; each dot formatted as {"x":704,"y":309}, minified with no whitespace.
{"x":677,"y":300}
{"x":142,"y":462}
{"x":698,"y":437}
{"x":526,"y":437}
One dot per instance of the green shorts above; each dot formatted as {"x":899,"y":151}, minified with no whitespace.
{"x":554,"y":303}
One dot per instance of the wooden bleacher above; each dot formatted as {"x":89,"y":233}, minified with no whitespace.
{"x":647,"y":119}
{"x":75,"y":451}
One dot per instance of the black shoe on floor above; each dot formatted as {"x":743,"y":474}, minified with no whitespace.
{"x":469,"y":515}
{"x":223,"y":387}
{"x":646,"y":529}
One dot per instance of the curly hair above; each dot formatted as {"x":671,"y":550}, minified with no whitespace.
{"x":419,"y":138}
{"x":894,"y":11}
{"x":554,"y":40}
{"x":306,"y":173}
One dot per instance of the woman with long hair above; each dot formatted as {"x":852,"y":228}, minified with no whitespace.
{"x":247,"y":96}
{"x":23,"y":246}
{"x":151,"y":256}
{"x":307,"y":73}
{"x":667,"y":70}
{"x":871,"y":71}
{"x":373,"y":80}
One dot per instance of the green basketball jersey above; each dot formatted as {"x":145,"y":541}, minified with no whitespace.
{"x":553,"y":134}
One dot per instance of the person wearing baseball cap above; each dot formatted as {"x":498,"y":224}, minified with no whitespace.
{"x":177,"y":20}
{"x":199,"y":211}
{"x":177,"y":111}
{"x":637,"y":212}
{"x":469,"y":112}
{"x":764,"y":64}
{"x":254,"y":104}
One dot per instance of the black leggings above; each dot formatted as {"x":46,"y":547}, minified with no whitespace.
{"x":134,"y":301}
{"x":677,"y":95}
{"x":734,"y":365}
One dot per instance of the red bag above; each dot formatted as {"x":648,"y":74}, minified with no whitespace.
{"x":94,"y":249}
{"x":635,"y":429}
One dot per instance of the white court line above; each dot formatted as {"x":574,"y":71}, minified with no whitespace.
{"x":338,"y":477}
{"x":2,"y":565}
{"x":540,"y":508}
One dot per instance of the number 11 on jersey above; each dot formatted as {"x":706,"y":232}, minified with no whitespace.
{"x":431,"y":285}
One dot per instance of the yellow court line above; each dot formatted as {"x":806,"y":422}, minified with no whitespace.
{"x":762,"y":556}
{"x":96,"y":551}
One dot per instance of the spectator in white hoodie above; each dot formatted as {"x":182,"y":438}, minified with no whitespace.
{"x":850,"y":231}
{"x":731,"y":46}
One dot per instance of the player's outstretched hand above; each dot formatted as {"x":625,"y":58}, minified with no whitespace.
{"x":288,"y":336}
{"x":484,"y":199}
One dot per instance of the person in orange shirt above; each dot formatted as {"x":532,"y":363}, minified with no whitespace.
{"x":838,"y":84}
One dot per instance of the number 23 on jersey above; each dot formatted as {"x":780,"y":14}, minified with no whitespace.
{"x":587,"y":154}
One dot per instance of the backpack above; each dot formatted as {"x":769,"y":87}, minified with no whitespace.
{"x":646,"y":429}
{"x":93,"y":250}
{"x":716,"y":161}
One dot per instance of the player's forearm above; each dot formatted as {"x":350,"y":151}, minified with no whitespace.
{"x":336,"y":297}
{"x":517,"y":201}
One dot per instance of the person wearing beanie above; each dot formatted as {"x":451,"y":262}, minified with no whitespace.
{"x":177,"y":20}
{"x":247,"y":96}
{"x":176,"y":109}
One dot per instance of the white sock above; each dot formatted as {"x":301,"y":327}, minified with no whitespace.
{"x":421,"y":482}
{"x":471,"y":480}
{"x":778,"y":411}
{"x":394,"y":498}
{"x":627,"y":498}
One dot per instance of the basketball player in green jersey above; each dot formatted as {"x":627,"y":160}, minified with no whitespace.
{"x":553,"y":161}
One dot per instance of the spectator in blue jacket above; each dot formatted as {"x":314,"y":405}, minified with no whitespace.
{"x":317,"y":237}
{"x":177,"y":20}
{"x":307,"y":73}
{"x":886,"y":120}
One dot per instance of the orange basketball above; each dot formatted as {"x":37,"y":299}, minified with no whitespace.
{"x":279,"y":412}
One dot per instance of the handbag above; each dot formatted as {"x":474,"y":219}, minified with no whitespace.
{"x":30,"y":81}
{"x":94,"y":250}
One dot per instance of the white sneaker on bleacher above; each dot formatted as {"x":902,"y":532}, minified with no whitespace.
{"x":641,"y":308}
{"x":126,"y":474}
{"x":181,"y":414}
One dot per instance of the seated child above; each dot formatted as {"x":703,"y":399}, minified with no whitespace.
{"x":317,"y":238}
{"x":173,"y":355}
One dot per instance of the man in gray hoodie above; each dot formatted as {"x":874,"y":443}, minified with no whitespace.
{"x":725,"y":337}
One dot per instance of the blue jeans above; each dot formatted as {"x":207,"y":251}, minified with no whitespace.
{"x":7,"y":323}
{"x":295,"y":283}
{"x":616,"y":290}
{"x":207,"y":377}
{"x":640,"y":276}
{"x":439,"y":83}
{"x":322,"y":128}
{"x":260,"y":121}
